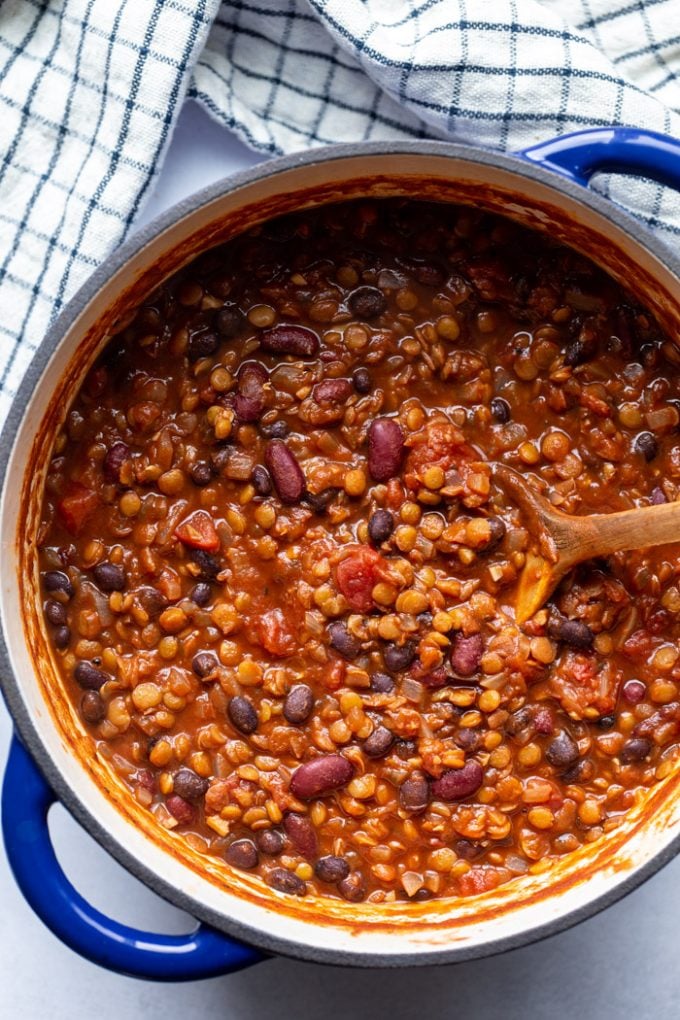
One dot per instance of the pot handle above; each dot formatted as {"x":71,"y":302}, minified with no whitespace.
{"x":611,"y":150}
{"x":26,"y":799}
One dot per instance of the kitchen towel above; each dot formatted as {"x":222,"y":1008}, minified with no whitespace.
{"x":90,"y":91}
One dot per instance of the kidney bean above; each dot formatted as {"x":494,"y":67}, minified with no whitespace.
{"x":634,"y":691}
{"x":636,"y":749}
{"x":201,"y":594}
{"x":414,"y":794}
{"x":457,"y":784}
{"x":435,"y":678}
{"x":353,"y":888}
{"x":55,"y":612}
{"x":242,"y":713}
{"x":332,"y":391}
{"x":573,"y":632}
{"x":300,"y":832}
{"x":208,"y":565}
{"x":299,"y":703}
{"x":88,"y":676}
{"x":562,"y":750}
{"x":202,"y":345}
{"x":269,"y":842}
{"x":380,"y":526}
{"x":242,"y":853}
{"x":201,"y":473}
{"x":647,"y":445}
{"x":285,"y":339}
{"x":385,"y":449}
{"x":361,"y":378}
{"x":381,"y":683}
{"x":92,"y":707}
{"x":466,"y":654}
{"x":250,"y":400}
{"x":109,"y":576}
{"x":399,"y":657}
{"x":543,"y":720}
{"x":658,"y":496}
{"x":331,"y":868}
{"x":378,"y":743}
{"x":500,"y":409}
{"x":318,"y":777}
{"x":180,"y":809}
{"x":189,"y":785}
{"x":285,"y":471}
{"x":116,"y":455}
{"x":342,"y":641}
{"x":61,"y":637}
{"x":57,"y":580}
{"x":286,"y":882}
{"x":367,"y":302}
{"x":229,"y":321}
{"x":261,"y":479}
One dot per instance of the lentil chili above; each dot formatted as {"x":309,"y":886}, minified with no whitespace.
{"x":279,"y":578}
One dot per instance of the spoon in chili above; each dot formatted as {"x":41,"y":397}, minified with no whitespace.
{"x":565,"y":540}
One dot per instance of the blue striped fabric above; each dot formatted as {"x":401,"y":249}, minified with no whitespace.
{"x":90,"y":91}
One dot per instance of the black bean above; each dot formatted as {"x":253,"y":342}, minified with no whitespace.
{"x":378,"y":743}
{"x":518,"y":721}
{"x":342,"y":641}
{"x":576,"y":353}
{"x":242,"y":713}
{"x":562,"y":751}
{"x":204,"y":663}
{"x":208,"y":565}
{"x":57,"y":580}
{"x":467,"y":849}
{"x":498,"y":529}
{"x":61,"y":637}
{"x":361,"y":378}
{"x":115,"y":457}
{"x":572,"y":632}
{"x":202,"y":345}
{"x":88,"y":676}
{"x":270,"y":842}
{"x":399,"y":657}
{"x":262,"y":482}
{"x":467,"y":739}
{"x":299,"y":703}
{"x":500,"y":409}
{"x":201,"y":594}
{"x":55,"y":612}
{"x":353,"y":888}
{"x":646,"y":444}
{"x":636,"y":749}
{"x":189,"y":785}
{"x":582,"y":771}
{"x":242,"y":853}
{"x":320,"y":501}
{"x":109,"y":576}
{"x":380,"y":526}
{"x":406,"y":749}
{"x":605,"y":722}
{"x":367,"y":302}
{"x":277,"y":430}
{"x":381,"y":683}
{"x":92,"y":707}
{"x":219,"y":459}
{"x":201,"y":473}
{"x":152,"y":601}
{"x":331,"y":868}
{"x":414,"y":793}
{"x":286,"y":882}
{"x":229,"y":321}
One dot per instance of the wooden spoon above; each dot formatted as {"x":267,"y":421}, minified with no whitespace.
{"x":565,"y":540}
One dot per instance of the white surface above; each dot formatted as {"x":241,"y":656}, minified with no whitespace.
{"x":619,"y":964}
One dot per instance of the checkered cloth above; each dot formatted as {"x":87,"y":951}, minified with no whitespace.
{"x":90,"y":90}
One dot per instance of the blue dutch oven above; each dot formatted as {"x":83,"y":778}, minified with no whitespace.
{"x":241,"y":920}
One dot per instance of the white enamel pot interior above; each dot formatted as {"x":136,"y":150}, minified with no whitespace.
{"x":329,"y":930}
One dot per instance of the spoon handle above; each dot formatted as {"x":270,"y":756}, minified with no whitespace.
{"x":601,"y":534}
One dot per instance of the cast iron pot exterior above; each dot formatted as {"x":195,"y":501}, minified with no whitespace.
{"x":326,"y":931}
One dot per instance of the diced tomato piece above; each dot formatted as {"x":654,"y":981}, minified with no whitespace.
{"x":479,"y":880}
{"x":275,"y":634}
{"x":356,"y":577}
{"x":584,"y":686}
{"x":76,"y":506}
{"x":198,"y":531}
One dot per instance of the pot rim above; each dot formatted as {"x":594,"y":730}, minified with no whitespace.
{"x":516,"y":166}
